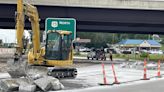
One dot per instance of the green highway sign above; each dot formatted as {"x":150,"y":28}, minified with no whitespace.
{"x":67,"y":24}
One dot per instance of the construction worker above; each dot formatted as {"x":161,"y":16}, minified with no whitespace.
{"x":110,"y":56}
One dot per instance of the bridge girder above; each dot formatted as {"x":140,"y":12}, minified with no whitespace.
{"x":94,"y":19}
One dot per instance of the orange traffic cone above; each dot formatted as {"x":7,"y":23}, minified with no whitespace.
{"x":145,"y":75}
{"x":104,"y":75}
{"x":115,"y":77}
{"x":159,"y":73}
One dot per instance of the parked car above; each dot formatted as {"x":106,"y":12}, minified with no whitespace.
{"x":144,"y":51}
{"x":113,"y":50}
{"x":127,"y":52}
{"x":84,"y":49}
{"x":98,"y":55}
{"x":91,"y":55}
{"x":156,"y":52}
{"x":136,"y":52}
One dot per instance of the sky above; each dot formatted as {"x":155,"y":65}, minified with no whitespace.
{"x":9,"y":35}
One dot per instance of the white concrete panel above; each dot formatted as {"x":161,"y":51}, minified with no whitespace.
{"x":132,"y":4}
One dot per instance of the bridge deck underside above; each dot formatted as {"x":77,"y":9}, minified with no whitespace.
{"x":94,"y":19}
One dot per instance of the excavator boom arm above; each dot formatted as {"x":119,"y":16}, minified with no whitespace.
{"x":31,"y":12}
{"x":19,"y":26}
{"x":18,"y":65}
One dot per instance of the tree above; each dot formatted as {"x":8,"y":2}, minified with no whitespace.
{"x":101,"y":39}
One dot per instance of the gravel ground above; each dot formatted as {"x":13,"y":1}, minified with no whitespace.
{"x":3,"y":67}
{"x":90,"y":74}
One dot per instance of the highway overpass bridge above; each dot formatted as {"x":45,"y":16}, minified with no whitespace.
{"x":120,"y":16}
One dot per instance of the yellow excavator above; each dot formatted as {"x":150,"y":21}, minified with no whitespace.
{"x":57,"y":53}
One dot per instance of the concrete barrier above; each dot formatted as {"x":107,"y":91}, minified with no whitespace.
{"x":6,"y":52}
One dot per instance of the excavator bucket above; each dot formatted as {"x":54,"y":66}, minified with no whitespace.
{"x":17,"y":69}
{"x":20,"y":68}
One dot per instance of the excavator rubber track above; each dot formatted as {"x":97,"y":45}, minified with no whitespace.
{"x":63,"y":73}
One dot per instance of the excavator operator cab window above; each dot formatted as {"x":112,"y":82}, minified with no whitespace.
{"x":57,"y":46}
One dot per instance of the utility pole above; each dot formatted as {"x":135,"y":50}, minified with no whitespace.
{"x":149,"y":36}
{"x":113,"y":38}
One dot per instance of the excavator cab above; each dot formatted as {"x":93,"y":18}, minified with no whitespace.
{"x":58,"y":45}
{"x":58,"y":49}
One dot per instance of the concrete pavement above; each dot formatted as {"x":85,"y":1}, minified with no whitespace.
{"x":150,"y":86}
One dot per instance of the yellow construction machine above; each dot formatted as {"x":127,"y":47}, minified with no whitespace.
{"x":57,"y":53}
